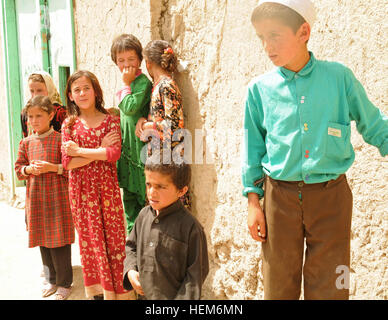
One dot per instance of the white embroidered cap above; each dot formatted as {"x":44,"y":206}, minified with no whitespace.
{"x":304,"y":7}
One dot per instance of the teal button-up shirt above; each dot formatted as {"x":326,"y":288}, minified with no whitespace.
{"x":297,"y":125}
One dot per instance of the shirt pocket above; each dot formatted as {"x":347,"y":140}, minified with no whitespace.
{"x":338,"y":146}
{"x":171,"y":254}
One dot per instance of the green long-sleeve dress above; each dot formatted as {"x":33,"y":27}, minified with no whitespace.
{"x":133,"y":105}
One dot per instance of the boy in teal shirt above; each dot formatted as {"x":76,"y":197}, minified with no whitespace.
{"x":297,"y":146}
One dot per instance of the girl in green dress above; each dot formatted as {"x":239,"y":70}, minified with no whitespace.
{"x":134,"y":100}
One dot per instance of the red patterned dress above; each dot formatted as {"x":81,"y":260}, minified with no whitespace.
{"x":97,"y":210}
{"x":48,"y":215}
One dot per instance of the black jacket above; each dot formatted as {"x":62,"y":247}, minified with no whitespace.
{"x":170,"y":253}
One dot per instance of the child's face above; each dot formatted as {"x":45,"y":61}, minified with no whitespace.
{"x":37,"y":88}
{"x":284,"y":47}
{"x":127,"y":59}
{"x":39,"y":119}
{"x":161,"y":191}
{"x":82,"y":93}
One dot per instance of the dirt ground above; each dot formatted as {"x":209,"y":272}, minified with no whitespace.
{"x":20,"y":266}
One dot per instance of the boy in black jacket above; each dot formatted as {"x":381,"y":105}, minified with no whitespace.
{"x":166,"y":251}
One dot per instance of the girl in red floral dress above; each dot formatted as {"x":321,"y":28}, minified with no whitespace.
{"x":91,"y":146}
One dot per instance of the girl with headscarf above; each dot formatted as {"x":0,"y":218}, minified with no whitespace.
{"x":40,"y":83}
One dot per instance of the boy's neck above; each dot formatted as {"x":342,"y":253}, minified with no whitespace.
{"x":157,"y":212}
{"x":299,"y":62}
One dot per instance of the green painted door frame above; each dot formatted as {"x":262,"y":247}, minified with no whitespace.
{"x":13,"y":83}
{"x":13,"y":71}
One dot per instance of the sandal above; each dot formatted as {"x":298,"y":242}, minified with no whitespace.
{"x":48,"y":290}
{"x":62,"y":293}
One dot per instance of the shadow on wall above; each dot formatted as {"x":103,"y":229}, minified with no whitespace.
{"x":204,"y":179}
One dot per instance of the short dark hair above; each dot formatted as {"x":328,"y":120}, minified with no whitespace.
{"x":123,"y":43}
{"x":271,"y":10}
{"x":180,"y":174}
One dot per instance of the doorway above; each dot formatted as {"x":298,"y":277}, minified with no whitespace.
{"x":38,"y":35}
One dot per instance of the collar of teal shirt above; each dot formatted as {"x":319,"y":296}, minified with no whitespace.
{"x":289,"y":75}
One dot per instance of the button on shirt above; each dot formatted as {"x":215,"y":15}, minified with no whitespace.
{"x":297,"y":125}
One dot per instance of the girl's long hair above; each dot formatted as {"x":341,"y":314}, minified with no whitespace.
{"x":73,"y":110}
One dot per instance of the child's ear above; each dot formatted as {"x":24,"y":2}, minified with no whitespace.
{"x":70,"y":97}
{"x":304,"y":32}
{"x":51,"y":115}
{"x":183,"y":191}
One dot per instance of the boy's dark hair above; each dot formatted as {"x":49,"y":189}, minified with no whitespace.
{"x":278,"y":11}
{"x":43,"y":102}
{"x":180,"y":174}
{"x":123,"y":43}
{"x":161,"y":53}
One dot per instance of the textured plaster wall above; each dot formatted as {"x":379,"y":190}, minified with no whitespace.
{"x":216,"y":38}
{"x":358,"y":38}
{"x":96,"y":25}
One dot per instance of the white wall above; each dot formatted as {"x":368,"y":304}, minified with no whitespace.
{"x":5,"y":169}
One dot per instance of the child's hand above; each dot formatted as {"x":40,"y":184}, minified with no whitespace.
{"x":44,"y":166}
{"x":256,"y":218}
{"x":139,"y":127}
{"x":129,"y":75}
{"x":133,"y":277}
{"x":71,"y":148}
{"x":110,"y":139}
{"x":31,"y":169}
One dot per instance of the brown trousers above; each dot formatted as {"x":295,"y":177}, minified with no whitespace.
{"x":57,"y":265}
{"x":312,"y":216}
